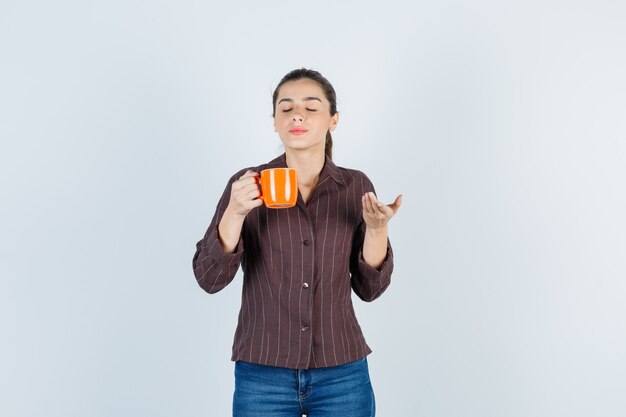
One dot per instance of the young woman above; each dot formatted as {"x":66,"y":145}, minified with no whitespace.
{"x":298,"y":348}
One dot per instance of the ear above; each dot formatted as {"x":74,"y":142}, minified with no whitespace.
{"x":333,"y":122}
{"x":275,"y":128}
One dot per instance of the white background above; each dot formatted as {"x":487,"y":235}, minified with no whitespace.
{"x":502,"y":123}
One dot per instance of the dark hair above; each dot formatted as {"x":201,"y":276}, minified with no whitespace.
{"x":329,"y":92}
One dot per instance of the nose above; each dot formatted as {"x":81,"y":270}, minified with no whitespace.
{"x":297,"y":117}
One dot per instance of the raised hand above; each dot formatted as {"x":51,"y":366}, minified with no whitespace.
{"x":376,"y":214}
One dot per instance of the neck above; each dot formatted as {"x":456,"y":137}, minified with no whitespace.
{"x":309,"y":164}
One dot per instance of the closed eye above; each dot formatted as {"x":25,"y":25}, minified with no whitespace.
{"x":288,"y":110}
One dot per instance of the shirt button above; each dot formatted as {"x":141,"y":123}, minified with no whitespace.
{"x":307,"y":242}
{"x":305,"y":328}
{"x":305,"y":285}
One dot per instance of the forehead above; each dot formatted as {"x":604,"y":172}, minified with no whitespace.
{"x":299,"y":89}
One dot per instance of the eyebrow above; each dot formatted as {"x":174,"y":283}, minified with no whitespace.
{"x":305,"y":99}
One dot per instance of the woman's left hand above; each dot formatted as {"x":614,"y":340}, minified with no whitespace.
{"x":376,"y":214}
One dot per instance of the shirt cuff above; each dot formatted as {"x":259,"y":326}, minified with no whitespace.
{"x":217,"y":254}
{"x":385,"y":268}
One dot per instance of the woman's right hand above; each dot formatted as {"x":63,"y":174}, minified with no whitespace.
{"x":244,"y":194}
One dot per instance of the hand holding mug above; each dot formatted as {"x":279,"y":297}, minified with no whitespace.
{"x":276,"y":187}
{"x":244,"y":194}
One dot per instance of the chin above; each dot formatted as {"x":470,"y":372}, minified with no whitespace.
{"x":299,"y":144}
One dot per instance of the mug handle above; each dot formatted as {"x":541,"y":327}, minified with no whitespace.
{"x":260,"y":187}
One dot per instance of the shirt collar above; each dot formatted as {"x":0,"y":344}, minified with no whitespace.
{"x":328,"y":170}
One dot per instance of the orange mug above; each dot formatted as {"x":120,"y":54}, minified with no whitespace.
{"x":279,"y":187}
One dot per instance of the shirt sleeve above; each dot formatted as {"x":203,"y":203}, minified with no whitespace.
{"x":214,"y":269}
{"x":368,"y":282}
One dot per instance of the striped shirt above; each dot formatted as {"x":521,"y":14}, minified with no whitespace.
{"x":299,"y":267}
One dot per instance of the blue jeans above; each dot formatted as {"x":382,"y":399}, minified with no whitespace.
{"x":337,"y":391}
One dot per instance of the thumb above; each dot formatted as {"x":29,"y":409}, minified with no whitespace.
{"x":396,"y":204}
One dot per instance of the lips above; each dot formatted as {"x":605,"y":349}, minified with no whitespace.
{"x":298,"y":131}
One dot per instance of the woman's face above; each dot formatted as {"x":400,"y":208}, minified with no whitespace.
{"x":302,"y":115}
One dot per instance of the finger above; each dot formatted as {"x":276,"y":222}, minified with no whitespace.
{"x":384,"y":209}
{"x":374,"y":202}
{"x":252,"y":204}
{"x":249,"y":173}
{"x":253,"y":195}
{"x":367,"y":205}
{"x":371,"y":205}
{"x":249,"y":180}
{"x":243,"y":183}
{"x":376,"y":205}
{"x":250,"y":187}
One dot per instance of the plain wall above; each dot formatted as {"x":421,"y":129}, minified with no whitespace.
{"x":502,"y":123}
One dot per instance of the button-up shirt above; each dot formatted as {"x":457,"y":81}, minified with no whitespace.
{"x":300,"y":265}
